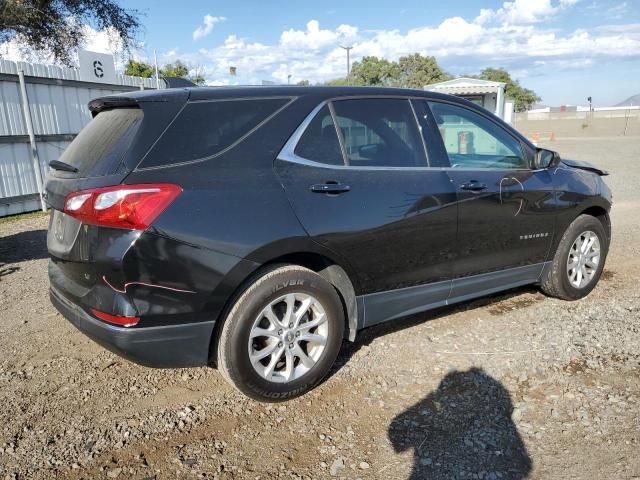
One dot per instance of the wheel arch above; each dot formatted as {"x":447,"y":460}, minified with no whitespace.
{"x":602,"y":214}
{"x":335,"y":274}
{"x":325,"y":265}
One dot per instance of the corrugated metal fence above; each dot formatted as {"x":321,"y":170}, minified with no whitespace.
{"x":57,"y":100}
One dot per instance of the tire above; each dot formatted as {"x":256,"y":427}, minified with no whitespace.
{"x":260,"y":309}
{"x":557,"y":282}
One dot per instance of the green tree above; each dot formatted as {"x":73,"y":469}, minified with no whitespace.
{"x":373,"y":71}
{"x":411,"y":71}
{"x":338,"y":82}
{"x":177,"y":69}
{"x":139,"y":69}
{"x":522,"y":97}
{"x":180,"y":69}
{"x":416,"y":71}
{"x":198,"y":79}
{"x":57,"y":26}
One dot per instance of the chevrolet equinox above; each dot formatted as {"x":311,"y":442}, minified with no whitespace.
{"x":255,"y":228}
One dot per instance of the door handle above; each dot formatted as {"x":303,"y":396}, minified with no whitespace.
{"x":473,"y":186}
{"x":330,"y":187}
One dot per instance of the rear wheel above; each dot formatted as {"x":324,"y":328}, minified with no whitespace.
{"x":282,"y":335}
{"x":579,"y":260}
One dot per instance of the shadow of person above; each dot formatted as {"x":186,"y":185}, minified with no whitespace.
{"x":462,"y":430}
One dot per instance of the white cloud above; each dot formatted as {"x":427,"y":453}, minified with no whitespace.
{"x":461,"y":46}
{"x":628,"y":28}
{"x":207,"y":26}
{"x":486,"y":15}
{"x":313,"y":38}
{"x":618,"y":11}
{"x":101,"y":41}
{"x":526,"y":11}
{"x":313,"y":53}
{"x":512,"y":36}
{"x":519,"y":12}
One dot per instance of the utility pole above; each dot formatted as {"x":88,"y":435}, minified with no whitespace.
{"x":348,"y":49}
{"x":155,"y":64}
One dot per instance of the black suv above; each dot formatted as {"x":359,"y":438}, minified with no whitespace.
{"x":256,"y":227}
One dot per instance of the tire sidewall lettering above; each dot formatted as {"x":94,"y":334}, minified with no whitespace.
{"x":239,"y":369}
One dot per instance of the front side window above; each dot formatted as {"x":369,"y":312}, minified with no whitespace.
{"x":473,"y":141}
{"x":204,"y":129}
{"x":380,"y":132}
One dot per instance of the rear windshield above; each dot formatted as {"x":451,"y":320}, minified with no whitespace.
{"x":100,"y":146}
{"x":204,"y":129}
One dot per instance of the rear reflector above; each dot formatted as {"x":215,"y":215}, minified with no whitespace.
{"x":116,"y":319}
{"x":133,"y":207}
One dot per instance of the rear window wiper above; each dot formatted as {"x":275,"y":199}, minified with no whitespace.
{"x":65,"y":167}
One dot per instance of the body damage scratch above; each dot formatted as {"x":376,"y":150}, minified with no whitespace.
{"x":126,"y":285}
{"x":521,"y":186}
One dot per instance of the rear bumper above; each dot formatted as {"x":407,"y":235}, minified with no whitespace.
{"x":171,"y":346}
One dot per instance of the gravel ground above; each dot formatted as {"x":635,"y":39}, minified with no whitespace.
{"x":513,"y":386}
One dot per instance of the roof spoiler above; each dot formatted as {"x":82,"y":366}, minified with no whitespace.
{"x":137,"y":99}
{"x":177,"y":82}
{"x":99,"y":104}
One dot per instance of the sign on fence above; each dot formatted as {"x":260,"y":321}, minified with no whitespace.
{"x":96,"y":67}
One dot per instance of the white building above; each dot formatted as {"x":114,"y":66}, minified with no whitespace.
{"x":485,"y":93}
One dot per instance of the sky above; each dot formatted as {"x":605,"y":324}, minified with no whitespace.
{"x":565,"y":50}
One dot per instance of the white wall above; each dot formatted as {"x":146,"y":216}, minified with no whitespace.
{"x":490,"y":102}
{"x":509,"y":109}
{"x":56,"y":110}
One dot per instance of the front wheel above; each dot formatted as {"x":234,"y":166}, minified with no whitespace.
{"x":282,"y":335}
{"x":579,"y":260}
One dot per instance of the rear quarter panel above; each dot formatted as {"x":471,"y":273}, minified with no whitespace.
{"x":231,"y":217}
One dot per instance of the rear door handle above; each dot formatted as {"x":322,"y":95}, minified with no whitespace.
{"x":330,"y":187}
{"x":473,"y":186}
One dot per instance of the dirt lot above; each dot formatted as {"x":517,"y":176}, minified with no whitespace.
{"x":513,"y":386}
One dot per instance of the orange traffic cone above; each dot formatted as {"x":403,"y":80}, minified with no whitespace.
{"x":552,"y":137}
{"x":535,"y":137}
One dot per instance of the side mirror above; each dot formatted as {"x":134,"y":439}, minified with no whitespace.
{"x":546,"y":158}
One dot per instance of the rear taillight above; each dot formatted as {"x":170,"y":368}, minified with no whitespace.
{"x":116,"y":319}
{"x":132,"y":207}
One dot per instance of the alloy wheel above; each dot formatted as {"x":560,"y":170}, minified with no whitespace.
{"x":583,"y":260}
{"x":288,"y":337}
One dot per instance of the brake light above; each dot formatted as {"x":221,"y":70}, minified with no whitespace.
{"x":116,"y":319}
{"x":133,"y":207}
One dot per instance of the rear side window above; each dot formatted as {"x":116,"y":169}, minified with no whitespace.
{"x":380,"y":132}
{"x":204,"y":129}
{"x":319,"y":142}
{"x":100,"y":146}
